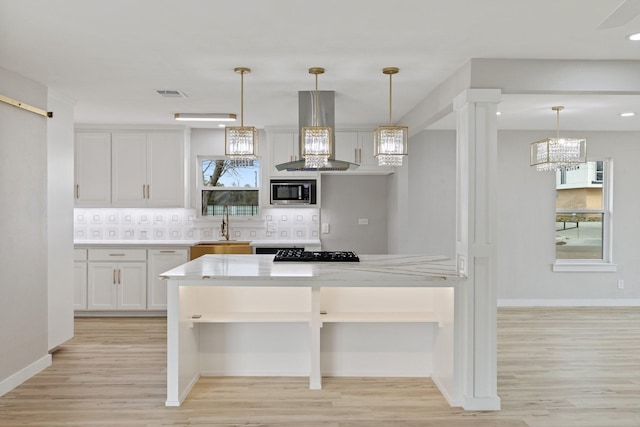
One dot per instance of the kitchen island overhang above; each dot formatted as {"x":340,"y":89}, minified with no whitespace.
{"x":258,"y":274}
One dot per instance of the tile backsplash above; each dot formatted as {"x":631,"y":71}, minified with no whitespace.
{"x":183,"y":224}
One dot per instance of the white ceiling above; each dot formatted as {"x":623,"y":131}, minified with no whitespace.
{"x":111,"y":56}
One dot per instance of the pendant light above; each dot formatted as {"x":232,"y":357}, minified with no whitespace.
{"x":558,"y":154}
{"x":241,"y":142}
{"x":390,"y":142}
{"x":316,"y":140}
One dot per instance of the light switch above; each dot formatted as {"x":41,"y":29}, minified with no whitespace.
{"x":325,"y":228}
{"x":363,"y":221}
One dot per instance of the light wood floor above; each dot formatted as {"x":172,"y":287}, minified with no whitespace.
{"x":556,"y":367}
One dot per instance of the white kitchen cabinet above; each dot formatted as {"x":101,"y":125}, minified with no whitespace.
{"x":357,"y":147}
{"x":117,"y":285}
{"x":285,"y":147}
{"x":92,"y":174}
{"x":159,"y":261}
{"x":147,"y":169}
{"x":80,"y":279}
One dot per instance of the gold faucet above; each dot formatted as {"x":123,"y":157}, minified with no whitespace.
{"x":224,"y":228}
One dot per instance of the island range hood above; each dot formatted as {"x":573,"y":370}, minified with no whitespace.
{"x":326,"y":117}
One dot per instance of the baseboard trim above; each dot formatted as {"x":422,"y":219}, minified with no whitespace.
{"x":549,"y":302}
{"x":24,"y":374}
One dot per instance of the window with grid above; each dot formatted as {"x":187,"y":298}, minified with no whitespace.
{"x":234,"y":184}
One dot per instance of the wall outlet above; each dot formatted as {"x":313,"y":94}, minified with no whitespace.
{"x":620,"y":284}
{"x":363,"y":221}
{"x":325,"y":228}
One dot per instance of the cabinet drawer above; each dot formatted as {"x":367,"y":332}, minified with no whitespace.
{"x":116,"y":255}
{"x":79,"y":254}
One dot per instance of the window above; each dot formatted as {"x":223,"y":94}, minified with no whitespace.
{"x":223,"y":182}
{"x":583,"y":218}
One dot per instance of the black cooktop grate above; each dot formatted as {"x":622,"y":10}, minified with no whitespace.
{"x":315,"y":256}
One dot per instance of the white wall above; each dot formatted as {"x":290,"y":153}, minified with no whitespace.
{"x":60,"y":218}
{"x":23,"y":247}
{"x":526,"y":223}
{"x":345,"y":200}
{"x":526,"y":236}
{"x":432,"y":182}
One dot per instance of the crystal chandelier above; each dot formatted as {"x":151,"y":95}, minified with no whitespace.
{"x":390,"y":142}
{"x":241,"y":142}
{"x":558,"y":154}
{"x":316,"y":141}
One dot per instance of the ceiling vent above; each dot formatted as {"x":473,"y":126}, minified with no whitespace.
{"x":171,"y":93}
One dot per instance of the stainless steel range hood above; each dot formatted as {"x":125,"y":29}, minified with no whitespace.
{"x":326,"y":117}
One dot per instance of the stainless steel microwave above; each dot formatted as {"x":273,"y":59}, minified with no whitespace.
{"x":293,"y":192}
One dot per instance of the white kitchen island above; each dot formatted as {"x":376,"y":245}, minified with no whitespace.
{"x":253,"y":289}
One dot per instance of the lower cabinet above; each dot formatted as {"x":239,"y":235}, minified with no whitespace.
{"x":161,"y":260}
{"x":117,"y":285}
{"x":123,"y":279}
{"x":80,"y":279}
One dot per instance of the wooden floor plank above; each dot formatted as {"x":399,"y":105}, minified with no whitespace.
{"x":576,"y":367}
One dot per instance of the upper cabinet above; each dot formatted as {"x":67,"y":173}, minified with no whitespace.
{"x":283,"y":148}
{"x":92,"y":159}
{"x":357,"y":147}
{"x":350,"y":146}
{"x":147,"y":169}
{"x":135,"y":169}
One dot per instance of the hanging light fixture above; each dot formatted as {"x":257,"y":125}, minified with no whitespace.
{"x":558,"y":153}
{"x":390,"y":142}
{"x":316,"y":140}
{"x":241,"y":142}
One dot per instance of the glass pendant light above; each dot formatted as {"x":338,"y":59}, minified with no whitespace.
{"x":390,"y":142}
{"x":241,"y":142}
{"x":316,"y":140}
{"x":557,"y":153}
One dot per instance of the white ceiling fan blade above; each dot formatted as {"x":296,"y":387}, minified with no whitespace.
{"x":623,"y":14}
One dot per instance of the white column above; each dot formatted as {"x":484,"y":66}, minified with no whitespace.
{"x":475,"y":342}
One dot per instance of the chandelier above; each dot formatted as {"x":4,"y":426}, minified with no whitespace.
{"x":558,"y":154}
{"x":390,"y":142}
{"x":316,"y":140}
{"x":241,"y":142}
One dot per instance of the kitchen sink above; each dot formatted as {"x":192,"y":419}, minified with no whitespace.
{"x":220,"y":247}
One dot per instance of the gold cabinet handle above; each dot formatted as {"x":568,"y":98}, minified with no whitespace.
{"x":77,"y":191}
{"x":119,"y":272}
{"x":148,"y":191}
{"x":167,"y":252}
{"x":114,"y":276}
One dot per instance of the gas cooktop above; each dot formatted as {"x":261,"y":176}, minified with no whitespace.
{"x":315,"y":256}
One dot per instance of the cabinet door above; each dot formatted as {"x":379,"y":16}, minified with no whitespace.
{"x":347,"y":148}
{"x":102,"y":289}
{"x":161,"y":260}
{"x":132,"y":286}
{"x":165,"y":171}
{"x":129,"y":169}
{"x":79,"y":285}
{"x":367,"y":161}
{"x":92,"y":158}
{"x":283,"y":149}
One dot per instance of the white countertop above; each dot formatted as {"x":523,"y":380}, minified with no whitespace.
{"x":372,"y":270}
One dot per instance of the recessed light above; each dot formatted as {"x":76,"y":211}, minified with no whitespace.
{"x":634,"y":37}
{"x":629,"y":114}
{"x":498,"y":113}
